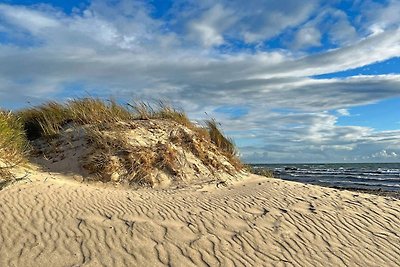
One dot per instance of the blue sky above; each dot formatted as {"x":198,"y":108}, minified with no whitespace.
{"x":290,"y":81}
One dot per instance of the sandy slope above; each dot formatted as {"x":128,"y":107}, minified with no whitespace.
{"x":260,"y":222}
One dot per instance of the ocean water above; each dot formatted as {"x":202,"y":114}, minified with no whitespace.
{"x":375,"y":176}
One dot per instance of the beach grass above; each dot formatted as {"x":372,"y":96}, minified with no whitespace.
{"x":144,"y":111}
{"x":47,"y":120}
{"x":50,"y":119}
{"x":226,"y":144}
{"x":13,"y":144}
{"x":115,"y":156}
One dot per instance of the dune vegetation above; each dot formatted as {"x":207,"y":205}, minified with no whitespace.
{"x":107,"y":126}
{"x":13,"y":144}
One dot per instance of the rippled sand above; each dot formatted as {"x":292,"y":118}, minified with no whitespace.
{"x":259,"y":222}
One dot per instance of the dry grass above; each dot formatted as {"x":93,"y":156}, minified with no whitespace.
{"x":13,"y":143}
{"x":224,"y":143}
{"x":96,"y":111}
{"x":115,"y":159}
{"x":48,"y":119}
{"x":167,"y":112}
{"x":219,"y":139}
{"x":5,"y":175}
{"x":167,"y":159}
{"x":45,"y":120}
{"x":198,"y":147}
{"x":142,"y":110}
{"x":112,"y":158}
{"x":146,"y":111}
{"x":139,"y":163}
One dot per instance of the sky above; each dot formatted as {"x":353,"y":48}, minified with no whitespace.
{"x":290,"y":81}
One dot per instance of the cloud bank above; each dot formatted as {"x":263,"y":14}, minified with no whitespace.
{"x":252,"y":66}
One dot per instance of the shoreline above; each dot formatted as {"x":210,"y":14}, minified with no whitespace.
{"x":378,"y":192}
{"x":267,"y":172}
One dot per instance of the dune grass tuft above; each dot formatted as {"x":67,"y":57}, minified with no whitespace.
{"x":45,"y":120}
{"x":114,"y":159}
{"x":198,"y":146}
{"x":168,"y":112}
{"x":219,"y":139}
{"x":224,"y":143}
{"x":48,"y":119}
{"x":146,"y":111}
{"x":96,"y":111}
{"x":13,"y":145}
{"x":142,"y":110}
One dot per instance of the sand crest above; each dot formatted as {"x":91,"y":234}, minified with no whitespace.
{"x":53,"y":221}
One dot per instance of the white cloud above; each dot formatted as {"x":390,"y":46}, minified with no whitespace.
{"x":385,"y":154}
{"x":343,"y":112}
{"x":32,"y":20}
{"x":248,"y":22}
{"x":121,"y":50}
{"x":273,"y":17}
{"x":378,"y":17}
{"x":329,"y":23}
{"x":341,"y":31}
{"x":210,"y":27}
{"x":307,"y":37}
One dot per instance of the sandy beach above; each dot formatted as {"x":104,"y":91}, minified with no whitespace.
{"x":52,"y":220}
{"x":199,"y":133}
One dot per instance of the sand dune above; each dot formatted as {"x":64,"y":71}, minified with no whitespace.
{"x":53,"y":221}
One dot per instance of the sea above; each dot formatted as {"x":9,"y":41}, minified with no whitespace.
{"x":364,"y":176}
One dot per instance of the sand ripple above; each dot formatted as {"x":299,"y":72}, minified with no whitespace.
{"x":264,"y":222}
